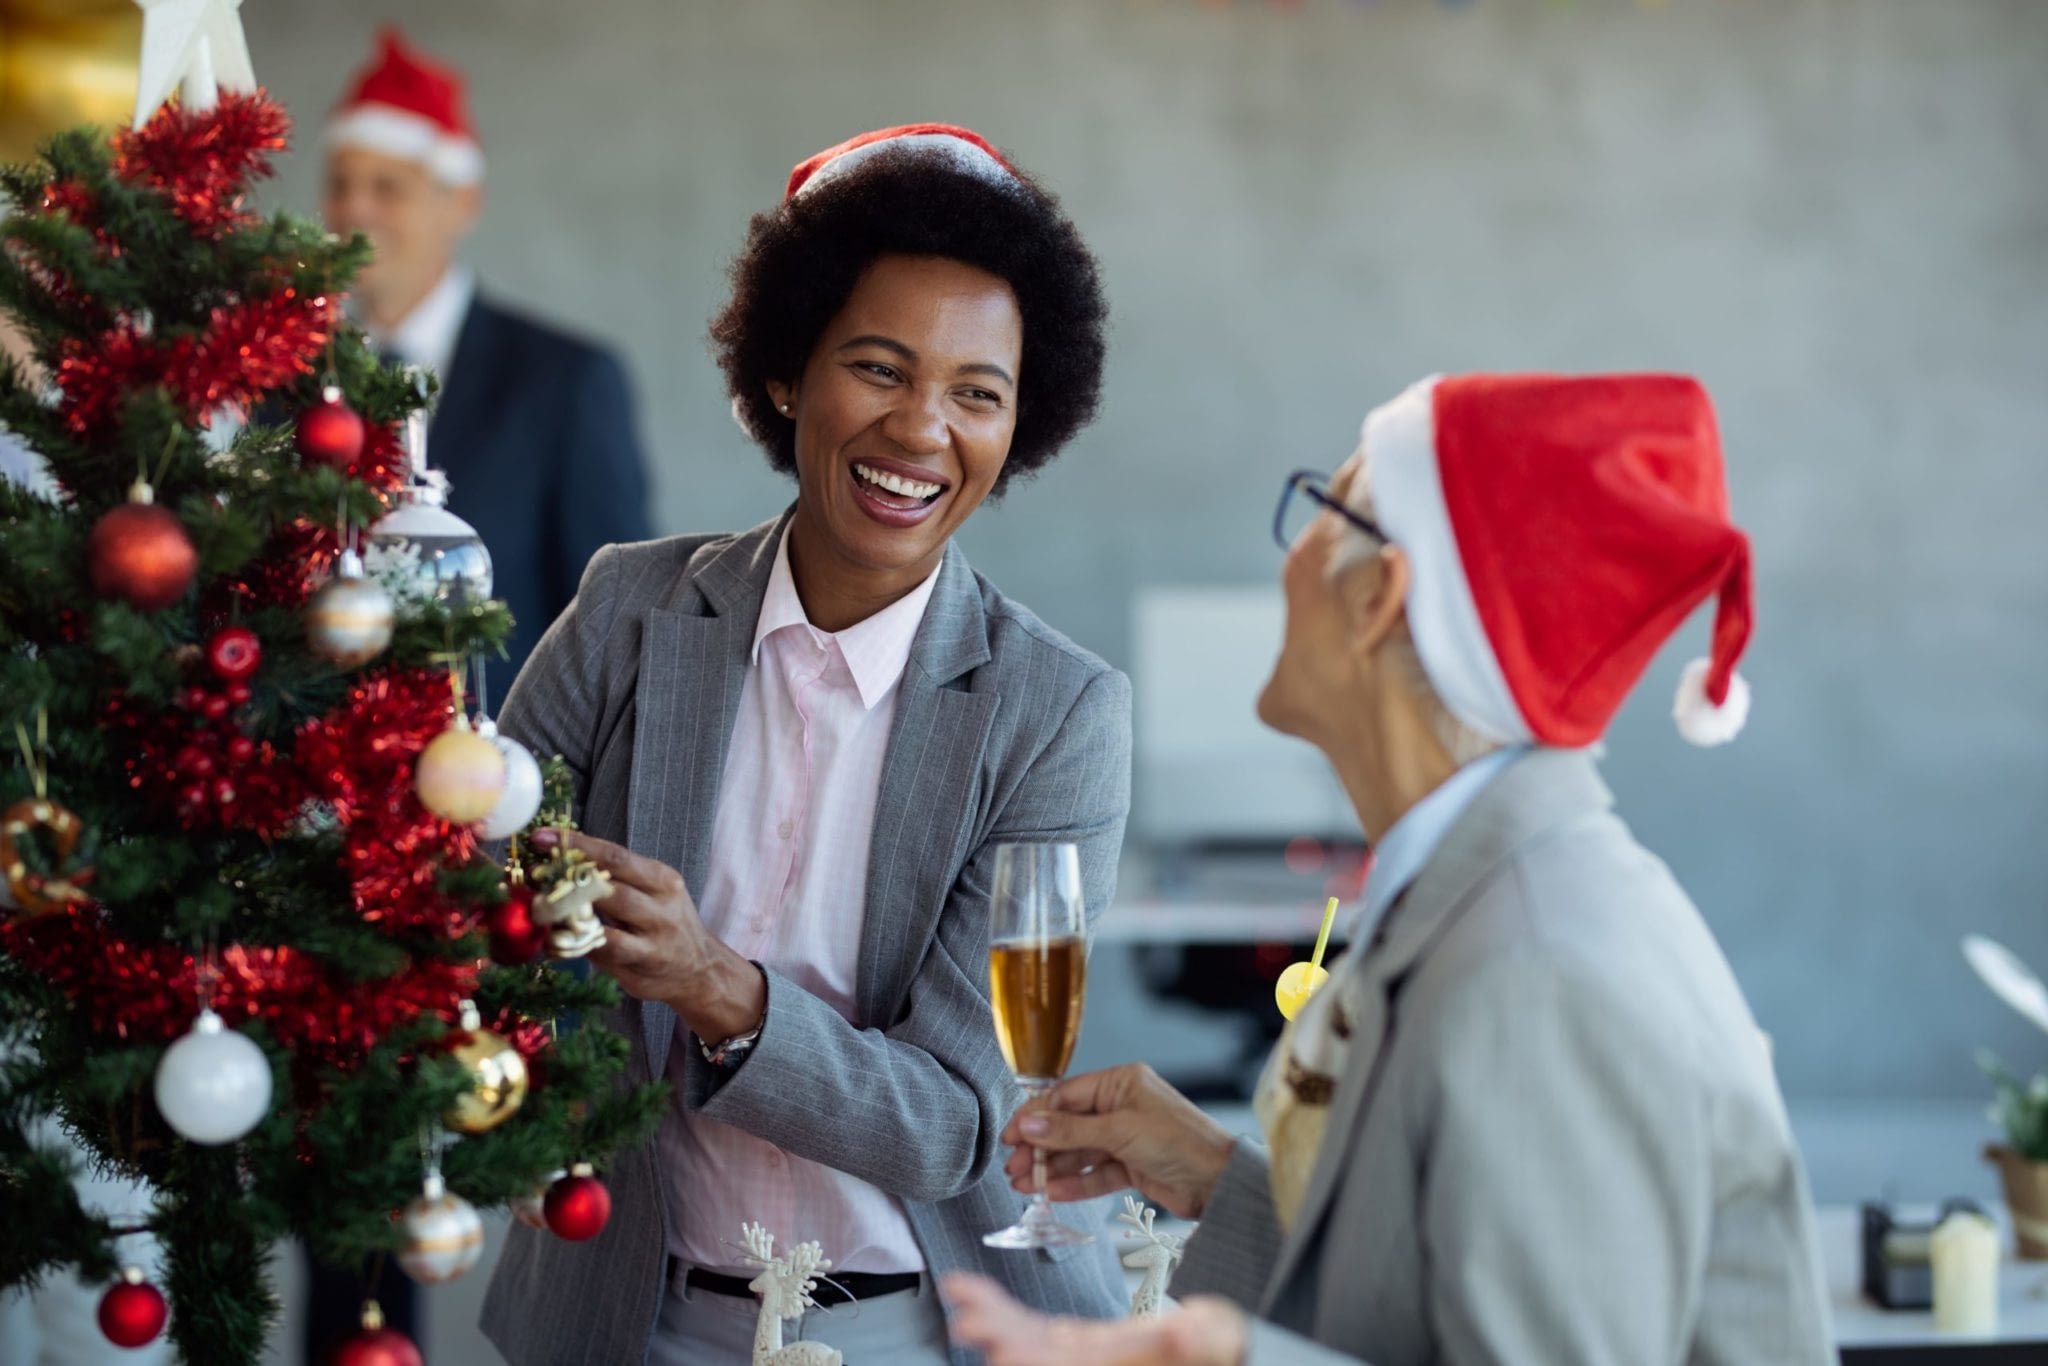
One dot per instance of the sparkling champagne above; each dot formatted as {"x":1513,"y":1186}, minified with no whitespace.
{"x":1038,"y":986}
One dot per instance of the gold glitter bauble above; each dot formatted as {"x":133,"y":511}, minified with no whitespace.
{"x":498,"y":1087}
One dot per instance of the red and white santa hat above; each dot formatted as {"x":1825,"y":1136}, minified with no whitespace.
{"x":1560,"y":529}
{"x":967,"y":151}
{"x":407,"y":106}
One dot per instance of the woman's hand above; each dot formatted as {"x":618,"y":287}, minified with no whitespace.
{"x":1111,"y":1130}
{"x":1204,"y":1332}
{"x":656,"y":946}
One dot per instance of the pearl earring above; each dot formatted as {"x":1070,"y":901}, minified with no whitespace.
{"x":785,"y":410}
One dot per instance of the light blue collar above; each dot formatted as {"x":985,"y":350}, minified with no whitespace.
{"x":1400,"y":857}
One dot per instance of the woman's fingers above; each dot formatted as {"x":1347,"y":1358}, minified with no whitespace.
{"x":1019,"y":1164}
{"x":1056,"y":1132}
{"x":624,"y":957}
{"x":632,"y":909}
{"x":627,"y":868}
{"x":986,"y":1319}
{"x":1107,"y":1179}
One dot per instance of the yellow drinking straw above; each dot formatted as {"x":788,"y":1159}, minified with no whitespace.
{"x":1300,"y":980}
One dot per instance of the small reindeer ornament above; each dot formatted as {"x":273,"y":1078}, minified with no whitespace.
{"x":1157,"y":1259}
{"x":567,"y":889}
{"x":785,"y":1285}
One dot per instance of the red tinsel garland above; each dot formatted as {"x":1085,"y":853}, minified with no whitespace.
{"x":199,"y":162}
{"x":149,"y":992}
{"x":202,"y":162}
{"x":358,"y":761}
{"x":383,"y":464}
{"x":291,"y":565}
{"x":247,"y":349}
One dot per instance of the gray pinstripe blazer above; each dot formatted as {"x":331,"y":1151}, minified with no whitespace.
{"x":1004,"y":730}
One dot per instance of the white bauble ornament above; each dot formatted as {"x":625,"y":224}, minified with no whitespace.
{"x":520,"y":800}
{"x":530,"y":1209}
{"x":443,"y":1235}
{"x":213,"y":1085}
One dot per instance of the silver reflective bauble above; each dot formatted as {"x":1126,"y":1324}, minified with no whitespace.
{"x":450,"y":563}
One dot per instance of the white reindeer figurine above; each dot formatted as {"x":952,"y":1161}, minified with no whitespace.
{"x":785,"y":1286}
{"x":1157,"y":1259}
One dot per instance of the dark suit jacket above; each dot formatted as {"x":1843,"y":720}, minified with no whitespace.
{"x":535,"y":431}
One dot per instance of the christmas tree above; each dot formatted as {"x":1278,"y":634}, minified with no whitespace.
{"x":249,"y":919}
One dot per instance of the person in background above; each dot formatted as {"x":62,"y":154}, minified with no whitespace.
{"x":1531,"y":1118}
{"x":534,"y":427}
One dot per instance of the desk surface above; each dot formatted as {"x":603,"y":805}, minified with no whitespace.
{"x":2022,"y":1295}
{"x":1861,"y":1325}
{"x":1164,"y":898}
{"x":1158,"y":921}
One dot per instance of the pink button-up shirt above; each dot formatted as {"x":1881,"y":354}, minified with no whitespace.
{"x":787,"y":887}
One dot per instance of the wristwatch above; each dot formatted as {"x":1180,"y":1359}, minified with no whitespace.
{"x":730,"y":1054}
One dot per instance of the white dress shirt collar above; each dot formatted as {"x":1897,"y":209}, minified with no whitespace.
{"x":876,"y":650}
{"x":427,"y":335}
{"x":1406,"y":849}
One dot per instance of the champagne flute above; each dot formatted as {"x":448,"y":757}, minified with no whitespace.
{"x":1038,"y":972}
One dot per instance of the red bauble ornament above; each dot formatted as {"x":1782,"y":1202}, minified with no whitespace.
{"x":381,"y":1347}
{"x":234,"y":653}
{"x":193,"y":762}
{"x":241,"y":749}
{"x":515,"y":939}
{"x":139,"y":553}
{"x":375,"y":1345}
{"x":238,"y":694}
{"x":578,"y":1205}
{"x":330,"y":432}
{"x":133,"y":1311}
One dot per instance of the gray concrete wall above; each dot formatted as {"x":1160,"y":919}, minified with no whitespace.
{"x":1835,"y":211}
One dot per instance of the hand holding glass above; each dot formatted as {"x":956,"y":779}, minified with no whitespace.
{"x":1038,"y":972}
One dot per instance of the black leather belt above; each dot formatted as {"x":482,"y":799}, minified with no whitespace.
{"x":846,"y":1285}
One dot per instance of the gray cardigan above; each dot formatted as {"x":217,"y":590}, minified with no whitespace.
{"x":1559,"y":1142}
{"x":1004,"y":730}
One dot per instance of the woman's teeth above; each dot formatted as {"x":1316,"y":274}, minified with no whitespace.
{"x":897,"y":484}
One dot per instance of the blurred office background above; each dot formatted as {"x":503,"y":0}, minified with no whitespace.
{"x":1834,"y":211}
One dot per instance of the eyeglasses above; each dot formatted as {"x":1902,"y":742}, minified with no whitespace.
{"x":1302,"y":499}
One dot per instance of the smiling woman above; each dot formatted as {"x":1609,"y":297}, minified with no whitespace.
{"x":797,"y":749}
{"x":903,"y":421}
